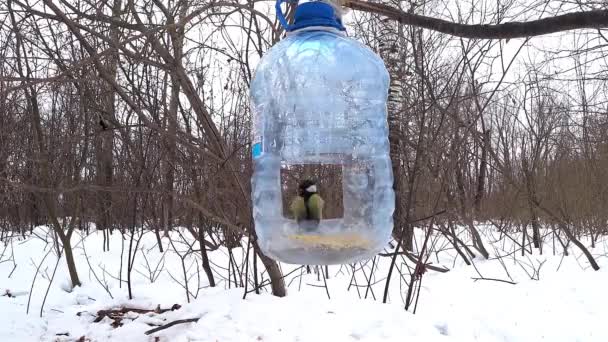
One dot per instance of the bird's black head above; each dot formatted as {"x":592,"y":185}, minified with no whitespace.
{"x":307,"y":187}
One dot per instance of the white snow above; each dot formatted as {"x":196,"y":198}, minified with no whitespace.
{"x":567,"y":303}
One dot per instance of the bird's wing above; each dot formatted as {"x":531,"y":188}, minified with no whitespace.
{"x":298,"y":208}
{"x":315,"y":207}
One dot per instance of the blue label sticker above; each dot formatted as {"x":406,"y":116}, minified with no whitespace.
{"x":256,"y":150}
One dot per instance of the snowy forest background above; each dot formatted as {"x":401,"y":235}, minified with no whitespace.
{"x":126,"y":123}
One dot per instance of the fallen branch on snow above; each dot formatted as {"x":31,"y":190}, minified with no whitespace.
{"x":8,"y":293}
{"x":169,"y":325}
{"x":117,"y":314}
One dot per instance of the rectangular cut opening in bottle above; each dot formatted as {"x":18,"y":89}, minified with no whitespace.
{"x":328,"y":180}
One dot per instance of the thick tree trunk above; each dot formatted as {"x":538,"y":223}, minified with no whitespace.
{"x":277,"y":282}
{"x":69,"y":259}
{"x":389,"y":50}
{"x":105,"y":143}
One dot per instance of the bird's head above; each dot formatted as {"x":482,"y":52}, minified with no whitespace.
{"x":307,"y":188}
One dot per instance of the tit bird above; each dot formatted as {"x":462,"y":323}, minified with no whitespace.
{"x":308,"y":205}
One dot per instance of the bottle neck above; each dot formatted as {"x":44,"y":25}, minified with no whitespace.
{"x":316,"y":28}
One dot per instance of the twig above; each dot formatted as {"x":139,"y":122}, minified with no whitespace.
{"x":29,"y":298}
{"x":104,"y":286}
{"x":428,"y":217}
{"x":169,"y":325}
{"x":13,"y":270}
{"x":369,"y":280}
{"x":413,"y":258}
{"x":494,"y":279}
{"x":51,"y":281}
{"x":325,"y":282}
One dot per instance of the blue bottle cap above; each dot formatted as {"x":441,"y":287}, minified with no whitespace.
{"x":310,"y":14}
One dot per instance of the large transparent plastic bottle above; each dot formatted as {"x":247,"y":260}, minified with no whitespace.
{"x":319,"y":98}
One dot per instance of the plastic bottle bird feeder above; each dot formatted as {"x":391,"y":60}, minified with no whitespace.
{"x":319,"y":103}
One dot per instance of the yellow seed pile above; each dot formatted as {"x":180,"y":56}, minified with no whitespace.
{"x":340,"y":241}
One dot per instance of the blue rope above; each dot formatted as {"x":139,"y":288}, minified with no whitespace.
{"x":280,"y":14}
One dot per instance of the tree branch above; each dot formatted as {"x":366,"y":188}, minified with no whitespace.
{"x":169,"y":325}
{"x":572,"y":21}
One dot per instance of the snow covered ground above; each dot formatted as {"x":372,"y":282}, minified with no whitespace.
{"x":567,"y":303}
